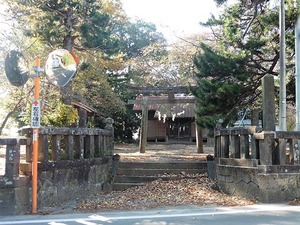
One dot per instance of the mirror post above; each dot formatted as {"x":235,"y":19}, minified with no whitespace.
{"x":35,"y":140}
{"x":297,"y":75}
{"x":282,"y":65}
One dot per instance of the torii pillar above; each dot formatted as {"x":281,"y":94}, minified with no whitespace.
{"x":144,"y":126}
{"x":171,"y":99}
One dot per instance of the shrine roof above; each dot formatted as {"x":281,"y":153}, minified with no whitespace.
{"x":169,"y":108}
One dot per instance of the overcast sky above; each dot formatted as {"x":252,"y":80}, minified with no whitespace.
{"x":179,"y":16}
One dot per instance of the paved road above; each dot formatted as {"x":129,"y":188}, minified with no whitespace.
{"x":257,"y":214}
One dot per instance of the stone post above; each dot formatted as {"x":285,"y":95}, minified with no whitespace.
{"x":268,"y":95}
{"x":235,"y":146}
{"x":14,"y":189}
{"x":266,"y":146}
{"x":218,"y":142}
{"x":12,"y":158}
{"x":109,"y":126}
{"x":255,"y":117}
{"x":82,"y":113}
{"x":225,"y":146}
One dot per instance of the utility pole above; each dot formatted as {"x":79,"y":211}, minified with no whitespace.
{"x":282,"y":97}
{"x":297,"y":75}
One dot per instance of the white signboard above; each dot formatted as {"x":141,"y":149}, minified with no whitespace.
{"x":35,"y":114}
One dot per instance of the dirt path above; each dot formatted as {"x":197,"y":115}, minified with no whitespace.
{"x":162,"y":152}
{"x":155,"y":152}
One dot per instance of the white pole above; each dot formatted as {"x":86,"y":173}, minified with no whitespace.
{"x":282,"y":97}
{"x":297,"y":75}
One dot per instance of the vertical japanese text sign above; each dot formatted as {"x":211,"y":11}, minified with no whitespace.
{"x":35,"y":114}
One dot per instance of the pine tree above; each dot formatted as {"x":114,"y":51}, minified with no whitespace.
{"x":245,"y":48}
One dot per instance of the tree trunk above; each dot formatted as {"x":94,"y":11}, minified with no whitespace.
{"x":68,"y":45}
{"x":5,"y":120}
{"x":199,"y":139}
{"x":11,"y":112}
{"x":67,"y":89}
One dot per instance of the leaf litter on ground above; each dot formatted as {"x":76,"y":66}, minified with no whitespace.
{"x":195,"y":189}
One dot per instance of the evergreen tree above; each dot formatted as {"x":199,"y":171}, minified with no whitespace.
{"x":100,"y":34}
{"x":246,"y":47}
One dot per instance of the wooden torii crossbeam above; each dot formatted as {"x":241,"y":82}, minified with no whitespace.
{"x":145,"y":101}
{"x":159,"y":90}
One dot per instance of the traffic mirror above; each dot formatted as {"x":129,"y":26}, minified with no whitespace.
{"x":60,"y":67}
{"x":16,"y":68}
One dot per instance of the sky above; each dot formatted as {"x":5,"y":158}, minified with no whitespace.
{"x":180,"y":17}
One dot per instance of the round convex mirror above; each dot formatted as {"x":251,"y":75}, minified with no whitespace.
{"x":16,"y":68}
{"x":60,"y":67}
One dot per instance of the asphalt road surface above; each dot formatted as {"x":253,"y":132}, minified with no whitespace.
{"x":260,"y":214}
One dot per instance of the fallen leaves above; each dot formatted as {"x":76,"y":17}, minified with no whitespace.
{"x":182,"y":191}
{"x":295,"y":202}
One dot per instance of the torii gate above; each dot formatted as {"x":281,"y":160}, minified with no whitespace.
{"x":146,"y":91}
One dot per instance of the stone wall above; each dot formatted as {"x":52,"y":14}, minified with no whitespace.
{"x":238,"y":180}
{"x":58,"y":182}
{"x":71,"y":180}
{"x":13,"y":187}
{"x":14,"y":195}
{"x":273,"y":186}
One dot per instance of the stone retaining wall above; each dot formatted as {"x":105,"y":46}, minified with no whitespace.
{"x":71,"y":180}
{"x":58,"y":182}
{"x":14,"y":195}
{"x":257,"y":183}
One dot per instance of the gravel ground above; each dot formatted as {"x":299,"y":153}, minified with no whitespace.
{"x":162,"y":152}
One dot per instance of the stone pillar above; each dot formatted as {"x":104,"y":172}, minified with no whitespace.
{"x":225,"y":146}
{"x":12,"y":163}
{"x":82,"y":113}
{"x":218,"y":142}
{"x":109,"y":126}
{"x":235,"y":148}
{"x":268,"y":95}
{"x":244,"y":145}
{"x":255,"y":117}
{"x":266,"y":146}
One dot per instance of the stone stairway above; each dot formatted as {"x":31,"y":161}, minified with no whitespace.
{"x":130,"y":174}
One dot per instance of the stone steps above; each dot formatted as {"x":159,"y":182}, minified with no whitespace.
{"x":157,"y":165}
{"x":130,"y":174}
